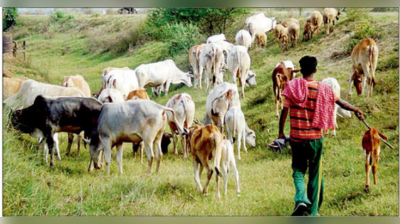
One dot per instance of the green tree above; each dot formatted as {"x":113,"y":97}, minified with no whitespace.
{"x":10,"y":16}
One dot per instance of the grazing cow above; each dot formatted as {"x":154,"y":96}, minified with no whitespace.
{"x":194,"y":60}
{"x":219,"y":101}
{"x":307,"y":33}
{"x":239,"y":64}
{"x":184,"y":108}
{"x":282,"y":74}
{"x":110,"y":96}
{"x":294,"y":33}
{"x":236,"y":125}
{"x":333,"y":83}
{"x":51,"y":115}
{"x":284,"y":36}
{"x":213,"y":60}
{"x":11,"y":86}
{"x":124,"y":80}
{"x":227,"y":162}
{"x":77,"y":81}
{"x":261,"y":39}
{"x":138,"y":94}
{"x":371,"y":144}
{"x":205,"y":143}
{"x":278,"y":33}
{"x":287,"y":22}
{"x":365,"y":59}
{"x":216,"y":38}
{"x":258,"y":24}
{"x":243,"y":38}
{"x":163,"y":73}
{"x":316,"y":21}
{"x":329,"y":15}
{"x":129,"y":121}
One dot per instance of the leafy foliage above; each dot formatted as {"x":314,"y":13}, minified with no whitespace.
{"x":354,"y":14}
{"x":10,"y":16}
{"x":181,"y":37}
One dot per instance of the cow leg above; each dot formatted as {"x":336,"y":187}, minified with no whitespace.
{"x":235,"y":171}
{"x":46,"y":152}
{"x":367,"y":169}
{"x":119,"y":157}
{"x":234,"y":76}
{"x":141,"y":146}
{"x":204,"y":161}
{"x":197,"y":174}
{"x":157,"y":149}
{"x":208,"y":81}
{"x":166,"y":87}
{"x":243,"y":83}
{"x":225,"y":166}
{"x":50,"y":144}
{"x":244,"y":140}
{"x":239,"y":142}
{"x":184,"y":148}
{"x":175,"y":139}
{"x":351,"y":81}
{"x":375,"y":165}
{"x":200,"y":76}
{"x":150,"y":155}
{"x":70,"y":140}
{"x":107,"y":155}
{"x":217,"y":194}
{"x":55,"y":137}
{"x":78,"y":142}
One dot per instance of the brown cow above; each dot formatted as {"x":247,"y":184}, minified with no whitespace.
{"x":281,"y":75}
{"x":372,"y":147}
{"x":365,"y":59}
{"x":138,"y":94}
{"x":278,"y":33}
{"x":329,"y":15}
{"x":307,"y":33}
{"x":205,"y":143}
{"x":316,"y":21}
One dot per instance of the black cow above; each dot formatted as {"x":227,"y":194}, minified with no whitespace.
{"x":51,"y":115}
{"x":130,"y":10}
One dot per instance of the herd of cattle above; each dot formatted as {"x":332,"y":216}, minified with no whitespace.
{"x":123,"y":112}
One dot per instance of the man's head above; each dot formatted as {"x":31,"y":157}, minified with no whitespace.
{"x":308,"y":65}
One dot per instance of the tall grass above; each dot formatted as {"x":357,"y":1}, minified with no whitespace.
{"x":30,"y":187}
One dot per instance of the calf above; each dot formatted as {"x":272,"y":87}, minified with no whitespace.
{"x":372,"y":147}
{"x":138,"y":94}
{"x":236,"y":125}
{"x":365,"y":59}
{"x":184,"y":108}
{"x":129,"y":121}
{"x":65,"y":114}
{"x":282,"y":74}
{"x":227,"y":162}
{"x":205,"y":143}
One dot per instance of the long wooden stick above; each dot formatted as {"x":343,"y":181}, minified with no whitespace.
{"x":387,"y":143}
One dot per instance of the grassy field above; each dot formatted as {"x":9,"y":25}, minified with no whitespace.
{"x":31,"y":188}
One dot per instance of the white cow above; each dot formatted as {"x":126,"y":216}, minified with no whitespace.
{"x":333,"y":83}
{"x":216,"y":38}
{"x":239,"y":64}
{"x":236,"y":125}
{"x":219,"y":101}
{"x":111,"y":96}
{"x":184,"y":108}
{"x":163,"y":73}
{"x":259,"y":24}
{"x":194,"y":60}
{"x":77,"y":81}
{"x":124,"y":80}
{"x":129,"y":121}
{"x":213,"y":60}
{"x":227,"y":162}
{"x":243,"y":38}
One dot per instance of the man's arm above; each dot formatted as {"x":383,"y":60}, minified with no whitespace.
{"x":282,"y":121}
{"x":347,"y":106}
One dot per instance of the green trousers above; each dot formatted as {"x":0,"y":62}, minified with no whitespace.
{"x":308,"y":154}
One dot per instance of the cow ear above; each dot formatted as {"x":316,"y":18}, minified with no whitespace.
{"x":18,"y":113}
{"x":39,"y":100}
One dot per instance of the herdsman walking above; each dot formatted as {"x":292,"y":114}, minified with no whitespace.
{"x":311,"y":105}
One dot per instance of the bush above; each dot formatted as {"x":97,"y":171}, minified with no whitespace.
{"x":354,"y":14}
{"x":10,"y":17}
{"x":61,"y":17}
{"x":384,"y":9}
{"x":362,"y":29}
{"x":181,"y":37}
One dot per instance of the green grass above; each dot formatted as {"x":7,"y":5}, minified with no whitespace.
{"x":30,"y":187}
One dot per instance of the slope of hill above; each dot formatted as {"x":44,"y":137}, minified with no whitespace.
{"x":86,"y":45}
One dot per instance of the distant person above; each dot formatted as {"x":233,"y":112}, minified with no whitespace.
{"x":311,"y":106}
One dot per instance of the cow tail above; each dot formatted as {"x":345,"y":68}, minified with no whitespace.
{"x":180,"y":129}
{"x":215,"y":58}
{"x":216,"y":143}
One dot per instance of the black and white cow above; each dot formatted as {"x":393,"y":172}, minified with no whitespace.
{"x":50,"y":115}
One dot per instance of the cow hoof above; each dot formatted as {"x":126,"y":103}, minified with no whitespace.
{"x":366,"y":189}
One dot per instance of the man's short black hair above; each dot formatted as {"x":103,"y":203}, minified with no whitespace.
{"x":308,"y":65}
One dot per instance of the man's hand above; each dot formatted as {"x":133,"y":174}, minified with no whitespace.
{"x":359,"y":114}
